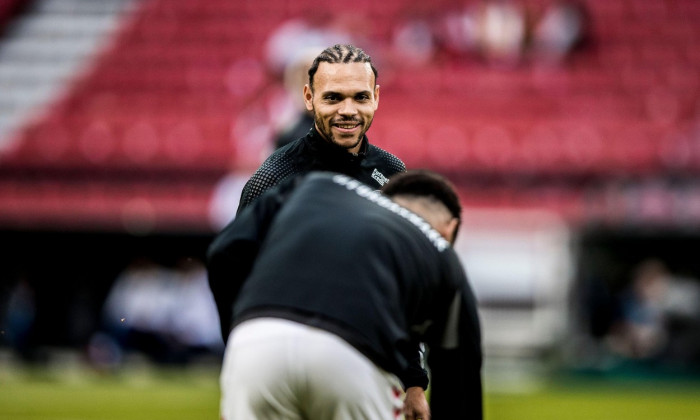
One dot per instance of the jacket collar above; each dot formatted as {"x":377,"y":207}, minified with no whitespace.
{"x":329,"y":149}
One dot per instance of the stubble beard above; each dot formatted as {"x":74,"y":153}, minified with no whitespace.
{"x":327,"y":133}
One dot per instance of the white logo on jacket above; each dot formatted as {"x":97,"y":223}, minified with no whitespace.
{"x":378,"y":198}
{"x":379,"y":177}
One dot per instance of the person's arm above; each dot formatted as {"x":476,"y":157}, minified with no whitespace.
{"x":264,"y":178}
{"x":455,"y":358}
{"x":233,"y":252}
{"x":415,"y":381}
{"x":415,"y":375}
{"x":251,"y":190}
{"x":415,"y":405}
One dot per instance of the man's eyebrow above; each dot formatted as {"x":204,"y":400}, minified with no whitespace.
{"x":333,"y":92}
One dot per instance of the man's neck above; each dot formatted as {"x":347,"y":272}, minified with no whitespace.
{"x":355,"y":151}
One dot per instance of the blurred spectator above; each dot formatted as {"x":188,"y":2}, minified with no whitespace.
{"x":501,"y":32}
{"x":490,"y":30}
{"x":457,"y":33}
{"x":563,"y":28}
{"x":659,"y":316}
{"x":295,"y":35}
{"x":640,"y":333}
{"x":506,"y":32}
{"x":294,"y":120}
{"x":274,"y":114}
{"x":19,"y":320}
{"x":166,"y":314}
{"x":682,"y":321}
{"x":194,"y":315}
{"x":136,"y":312}
{"x":413,"y":42}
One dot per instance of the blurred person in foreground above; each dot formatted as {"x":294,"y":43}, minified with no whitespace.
{"x":342,"y":95}
{"x":325,"y":287}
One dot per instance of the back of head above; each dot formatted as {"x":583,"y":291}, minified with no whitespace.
{"x":424,"y":184}
{"x":339,"y":54}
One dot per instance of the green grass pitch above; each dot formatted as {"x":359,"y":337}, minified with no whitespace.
{"x":194,"y":395}
{"x":598,"y":400}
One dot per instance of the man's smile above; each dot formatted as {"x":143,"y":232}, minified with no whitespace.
{"x":347,"y":127}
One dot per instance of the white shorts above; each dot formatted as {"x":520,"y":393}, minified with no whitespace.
{"x":279,"y":369}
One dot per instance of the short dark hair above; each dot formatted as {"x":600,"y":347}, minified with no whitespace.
{"x":340,"y":53}
{"x":425,"y":183}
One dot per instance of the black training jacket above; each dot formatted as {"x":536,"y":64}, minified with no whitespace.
{"x":331,"y":252}
{"x":372,"y":165}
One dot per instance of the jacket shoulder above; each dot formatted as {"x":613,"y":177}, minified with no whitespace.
{"x":280,"y":165}
{"x":387,"y":160}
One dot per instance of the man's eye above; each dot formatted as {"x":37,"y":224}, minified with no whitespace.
{"x":362,"y":97}
{"x":332,"y":97}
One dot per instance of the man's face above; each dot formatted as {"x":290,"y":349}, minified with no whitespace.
{"x":343,"y":102}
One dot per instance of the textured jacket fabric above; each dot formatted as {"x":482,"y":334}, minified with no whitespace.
{"x":330,"y":252}
{"x":372,"y":165}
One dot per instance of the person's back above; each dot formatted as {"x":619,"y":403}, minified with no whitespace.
{"x":349,"y":260}
{"x":360,"y":268}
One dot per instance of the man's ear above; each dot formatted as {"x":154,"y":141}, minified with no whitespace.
{"x":308,"y":98}
{"x":376,"y":97}
{"x":452,"y":229}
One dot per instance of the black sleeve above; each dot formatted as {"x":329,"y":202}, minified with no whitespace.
{"x":255,"y":186}
{"x":455,"y":358}
{"x":415,"y":375}
{"x":233,"y":252}
{"x":272,"y":172}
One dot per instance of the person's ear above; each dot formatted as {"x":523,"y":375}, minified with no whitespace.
{"x":376,"y":97}
{"x":451,"y":229}
{"x":308,"y":98}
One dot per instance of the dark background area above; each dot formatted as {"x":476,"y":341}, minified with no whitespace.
{"x":71,"y":273}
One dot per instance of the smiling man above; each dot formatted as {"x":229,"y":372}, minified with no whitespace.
{"x":343,"y":95}
{"x":343,"y":99}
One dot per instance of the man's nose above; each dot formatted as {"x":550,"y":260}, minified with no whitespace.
{"x":347,"y":107}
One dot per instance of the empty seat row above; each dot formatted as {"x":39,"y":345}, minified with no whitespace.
{"x":137,"y":206}
{"x":141,"y":145}
{"x":565,"y":148}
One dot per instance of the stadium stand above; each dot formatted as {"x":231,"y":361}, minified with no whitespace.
{"x":159,"y":90}
{"x":122,"y":122}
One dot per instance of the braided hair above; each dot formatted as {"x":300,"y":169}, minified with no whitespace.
{"x":339,"y":54}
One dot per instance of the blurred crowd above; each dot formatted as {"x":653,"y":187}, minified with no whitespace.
{"x":495,"y":33}
{"x":657,"y":317}
{"x":508,"y":33}
{"x":165,"y":314}
{"x":651,"y":319}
